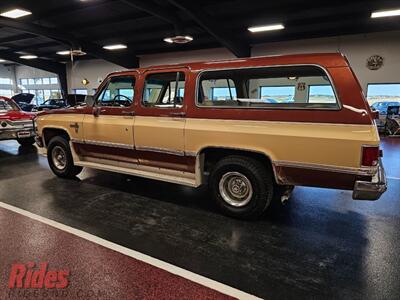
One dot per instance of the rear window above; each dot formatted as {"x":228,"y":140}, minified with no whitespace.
{"x":270,"y":87}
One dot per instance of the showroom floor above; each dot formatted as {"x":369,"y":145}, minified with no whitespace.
{"x":321,"y":245}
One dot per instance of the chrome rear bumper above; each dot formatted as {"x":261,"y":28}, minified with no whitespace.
{"x":12,"y":134}
{"x":371,"y":190}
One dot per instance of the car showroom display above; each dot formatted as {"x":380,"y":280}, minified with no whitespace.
{"x":393,"y":120}
{"x":382,"y":108}
{"x":51,"y":104}
{"x":251,"y":129}
{"x":24,"y":101}
{"x":15,"y":124}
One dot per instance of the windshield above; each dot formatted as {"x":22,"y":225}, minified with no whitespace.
{"x":7,"y":105}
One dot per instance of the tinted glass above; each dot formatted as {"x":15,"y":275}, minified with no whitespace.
{"x":160,"y":90}
{"x":119,"y":92}
{"x":269,"y":87}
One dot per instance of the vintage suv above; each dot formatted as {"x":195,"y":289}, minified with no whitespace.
{"x":250,"y":128}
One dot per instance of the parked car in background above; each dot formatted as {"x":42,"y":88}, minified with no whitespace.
{"x":168,"y":123}
{"x":24,"y":101}
{"x":75,"y":99}
{"x":16,"y":124}
{"x":381,"y":108}
{"x":51,"y":104}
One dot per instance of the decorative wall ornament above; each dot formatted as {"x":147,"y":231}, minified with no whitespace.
{"x":375,"y":62}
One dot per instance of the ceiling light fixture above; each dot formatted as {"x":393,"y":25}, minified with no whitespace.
{"x":266,"y":28}
{"x":179,"y":39}
{"x":65,"y":52}
{"x":385,"y":13}
{"x":76,"y":52}
{"x":2,"y":60}
{"x":16,"y":13}
{"x":28,"y":56}
{"x":115,"y":47}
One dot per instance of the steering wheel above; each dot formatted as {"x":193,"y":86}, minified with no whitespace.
{"x":126,"y":102}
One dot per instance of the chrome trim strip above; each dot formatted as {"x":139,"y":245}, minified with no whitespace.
{"x":105,"y":144}
{"x":191,"y":153}
{"x":131,"y":147}
{"x":328,"y":168}
{"x":161,"y":150}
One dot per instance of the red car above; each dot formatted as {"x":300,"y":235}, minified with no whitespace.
{"x":16,"y":124}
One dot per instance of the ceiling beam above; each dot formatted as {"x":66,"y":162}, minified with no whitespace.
{"x":16,"y":38}
{"x":226,"y":39}
{"x":126,"y":59}
{"x":161,"y":12}
{"x":33,"y":47}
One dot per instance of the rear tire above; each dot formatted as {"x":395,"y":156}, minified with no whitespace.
{"x":26,"y":142}
{"x":242,"y":187}
{"x":60,"y":158}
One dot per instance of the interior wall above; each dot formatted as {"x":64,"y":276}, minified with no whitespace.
{"x":22,"y":72}
{"x":93,"y":70}
{"x":357,"y":48}
{"x":8,"y":72}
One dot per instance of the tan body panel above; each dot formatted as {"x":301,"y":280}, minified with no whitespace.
{"x":116,"y":130}
{"x":63,"y":122}
{"x":305,"y":143}
{"x":160,"y":134}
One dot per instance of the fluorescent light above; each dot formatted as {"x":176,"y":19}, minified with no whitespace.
{"x":28,"y":56}
{"x":169,"y":40}
{"x":2,"y":60}
{"x":385,"y":13}
{"x":115,"y":47}
{"x":266,"y":28}
{"x":16,"y":13}
{"x":66,"y":52}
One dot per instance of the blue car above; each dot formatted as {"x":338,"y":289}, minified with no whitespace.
{"x":383,"y":106}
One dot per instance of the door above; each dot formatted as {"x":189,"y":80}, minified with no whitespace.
{"x":160,"y":120}
{"x":108,"y":130}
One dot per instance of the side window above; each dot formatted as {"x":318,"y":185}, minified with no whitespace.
{"x":321,"y":94}
{"x":119,"y":92}
{"x":164,"y":90}
{"x":269,"y":87}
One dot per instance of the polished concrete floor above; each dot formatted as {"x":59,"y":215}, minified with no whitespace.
{"x":322,"y":245}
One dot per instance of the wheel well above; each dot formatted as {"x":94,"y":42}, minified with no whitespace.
{"x":213,"y":155}
{"x":49,"y":133}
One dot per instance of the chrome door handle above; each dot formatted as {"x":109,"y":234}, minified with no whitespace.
{"x":178,"y":114}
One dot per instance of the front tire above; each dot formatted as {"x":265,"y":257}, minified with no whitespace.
{"x":242,"y":187}
{"x":60,"y":158}
{"x":26,"y":142}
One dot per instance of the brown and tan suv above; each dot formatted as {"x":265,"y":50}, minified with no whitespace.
{"x":250,"y":128}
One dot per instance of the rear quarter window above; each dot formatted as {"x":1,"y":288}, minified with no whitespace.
{"x":291,"y":87}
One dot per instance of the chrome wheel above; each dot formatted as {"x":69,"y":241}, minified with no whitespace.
{"x":59,"y":157}
{"x":236,"y":189}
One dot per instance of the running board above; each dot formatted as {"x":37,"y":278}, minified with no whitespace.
{"x":178,"y":177}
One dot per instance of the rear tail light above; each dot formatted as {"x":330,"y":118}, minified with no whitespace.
{"x":370,"y":156}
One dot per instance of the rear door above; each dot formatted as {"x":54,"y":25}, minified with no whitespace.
{"x":160,"y":120}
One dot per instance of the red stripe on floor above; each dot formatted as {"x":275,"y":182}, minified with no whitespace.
{"x":95,"y":271}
